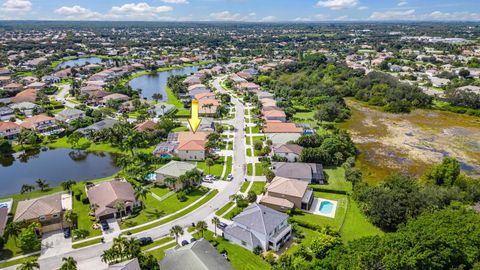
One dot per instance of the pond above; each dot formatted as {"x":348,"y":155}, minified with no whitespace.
{"x":54,"y":166}
{"x":156,"y":83}
{"x":80,"y":62}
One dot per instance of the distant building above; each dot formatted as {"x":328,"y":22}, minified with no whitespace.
{"x":9,"y":130}
{"x":291,"y":152}
{"x":70,"y":114}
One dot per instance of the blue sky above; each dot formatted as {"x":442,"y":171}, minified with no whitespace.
{"x":241,"y":10}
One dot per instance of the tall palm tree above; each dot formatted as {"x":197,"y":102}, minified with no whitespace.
{"x":70,"y":217}
{"x":94,"y":207}
{"x":215,"y":222}
{"x":29,"y":265}
{"x":176,"y":231}
{"x":13,"y":229}
{"x":26,"y":188}
{"x":209,"y":163}
{"x":69,"y":263}
{"x":42,"y":184}
{"x":132,"y":248}
{"x":201,"y":226}
{"x":141,"y":193}
{"x":67,"y":185}
{"x":171,"y":181}
{"x":120,"y":207}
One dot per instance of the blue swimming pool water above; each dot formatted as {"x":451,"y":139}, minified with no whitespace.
{"x":326,"y":207}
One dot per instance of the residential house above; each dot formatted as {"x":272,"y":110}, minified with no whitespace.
{"x":197,"y":89}
{"x":284,"y":194}
{"x":207,"y":124}
{"x":204,"y":96}
{"x":70,"y":114}
{"x":162,"y":109}
{"x":42,"y":124}
{"x":6,"y":113}
{"x":5,"y":71}
{"x":126,"y":265}
{"x":208,"y":106}
{"x":13,"y":87}
{"x":51,"y":79}
{"x":114,"y":97}
{"x":103,"y":124}
{"x":309,"y":172}
{"x":248,"y":87}
{"x":26,"y":108}
{"x":470,"y":88}
{"x":4,"y":80}
{"x":47,"y":211}
{"x":274,"y":114}
{"x":259,"y":226}
{"x":108,"y":195}
{"x":279,"y":127}
{"x":28,"y":95}
{"x":146,"y":126}
{"x":192,"y":80}
{"x":191,"y":146}
{"x":174,"y":169}
{"x":439,"y":82}
{"x":289,"y":151}
{"x":36,"y":85}
{"x":199,"y":255}
{"x":9,"y":130}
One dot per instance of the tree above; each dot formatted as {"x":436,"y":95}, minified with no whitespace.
{"x":176,"y":231}
{"x":69,"y":263}
{"x":444,"y":174}
{"x":70,"y":217}
{"x":120,"y":207}
{"x":141,"y":193}
{"x":201,"y":226}
{"x":13,"y":229}
{"x":5,"y":147}
{"x":26,"y":188}
{"x":74,"y":138}
{"x":157,"y":97}
{"x":251,"y":196}
{"x":28,"y":238}
{"x":171,"y":182}
{"x":29,"y":264}
{"x":322,"y":244}
{"x":215,"y":222}
{"x":93,"y":208}
{"x":209,"y":163}
{"x":67,"y":185}
{"x":42,"y":184}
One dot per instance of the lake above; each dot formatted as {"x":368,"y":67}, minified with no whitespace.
{"x":54,"y":166}
{"x":156,"y":83}
{"x":80,"y":62}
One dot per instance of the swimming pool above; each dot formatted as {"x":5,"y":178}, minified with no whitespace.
{"x":326,"y":207}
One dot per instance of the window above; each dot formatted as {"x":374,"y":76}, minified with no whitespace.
{"x":42,"y":218}
{"x":244,"y":243}
{"x":56,"y":215}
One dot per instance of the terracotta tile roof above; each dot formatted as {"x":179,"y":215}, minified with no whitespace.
{"x":274,"y":113}
{"x":27,"y":93}
{"x":29,"y":122}
{"x":203,"y":95}
{"x":287,"y":148}
{"x":287,"y":186}
{"x":8,"y":125}
{"x":107,"y":194}
{"x":278,"y":127}
{"x":34,"y":208}
{"x":192,"y":145}
{"x":147,"y":125}
{"x":191,"y":141}
{"x":276,"y":201}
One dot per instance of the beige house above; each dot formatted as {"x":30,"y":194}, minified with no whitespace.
{"x":107,"y":196}
{"x":47,"y":211}
{"x":284,"y":194}
{"x":191,"y":146}
{"x":9,"y":130}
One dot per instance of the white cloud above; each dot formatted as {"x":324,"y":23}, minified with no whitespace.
{"x":268,"y":19}
{"x":363,"y":8}
{"x":224,"y":16}
{"x":78,"y":12}
{"x":139,"y":9}
{"x":453,"y":16}
{"x":337,"y":4}
{"x":342,"y":18}
{"x":175,"y":1}
{"x":394,"y":15}
{"x":402,"y":3}
{"x":17,"y":6}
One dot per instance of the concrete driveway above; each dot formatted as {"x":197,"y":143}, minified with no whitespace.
{"x":54,"y":244}
{"x":113,"y":231}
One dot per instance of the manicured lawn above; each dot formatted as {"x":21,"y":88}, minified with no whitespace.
{"x":258,"y":139}
{"x":180,"y":129}
{"x":19,"y":261}
{"x":159,"y":191}
{"x":232,"y":213}
{"x":216,"y":169}
{"x":178,"y":215}
{"x":229,"y":166}
{"x":84,"y":144}
{"x":222,"y":210}
{"x":159,"y":253}
{"x":11,"y":249}
{"x":84,"y":221}
{"x":244,"y":186}
{"x":258,"y":169}
{"x":255,"y":129}
{"x":87,"y":243}
{"x":305,"y":118}
{"x":158,"y":242}
{"x":249,"y":152}
{"x":336,"y":180}
{"x":155,"y":209}
{"x":317,"y":220}
{"x":258,"y":187}
{"x":240,"y":258}
{"x":249,"y":169}
{"x":172,"y":99}
{"x":356,"y":224}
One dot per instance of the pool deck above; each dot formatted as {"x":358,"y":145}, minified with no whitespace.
{"x":315,"y":209}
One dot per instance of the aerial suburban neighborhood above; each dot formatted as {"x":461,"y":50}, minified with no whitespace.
{"x":145,"y":136}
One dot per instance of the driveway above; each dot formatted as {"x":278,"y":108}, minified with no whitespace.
{"x":113,"y":231}
{"x":54,"y":244}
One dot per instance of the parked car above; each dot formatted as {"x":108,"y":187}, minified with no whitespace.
{"x":104,"y":225}
{"x":145,"y":241}
{"x":207,"y":180}
{"x":67,"y":232}
{"x":184,"y":243}
{"x":230,"y":177}
{"x":222,"y":225}
{"x":193,"y":239}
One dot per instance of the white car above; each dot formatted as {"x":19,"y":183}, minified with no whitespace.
{"x":230,"y":177}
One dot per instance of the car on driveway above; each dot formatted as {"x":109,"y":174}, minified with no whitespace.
{"x":184,"y":243}
{"x":67,"y":232}
{"x":193,"y":239}
{"x":230,"y":177}
{"x":145,"y":241}
{"x":222,"y":225}
{"x":104,"y":225}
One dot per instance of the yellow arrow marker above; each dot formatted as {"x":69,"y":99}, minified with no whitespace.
{"x":194,"y":120}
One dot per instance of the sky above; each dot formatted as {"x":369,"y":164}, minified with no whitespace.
{"x":242,"y":10}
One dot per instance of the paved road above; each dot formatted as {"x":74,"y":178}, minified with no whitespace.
{"x":60,"y":96}
{"x":89,"y":257}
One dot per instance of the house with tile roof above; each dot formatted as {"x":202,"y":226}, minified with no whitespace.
{"x":283,"y":194}
{"x":28,"y":95}
{"x":287,"y":150}
{"x":174,"y":169}
{"x":42,"y":124}
{"x":259,"y":226}
{"x":309,"y":172}
{"x":107,"y":194}
{"x":191,"y":146}
{"x":9,"y":130}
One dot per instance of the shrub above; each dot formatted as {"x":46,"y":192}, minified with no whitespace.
{"x":181,"y":196}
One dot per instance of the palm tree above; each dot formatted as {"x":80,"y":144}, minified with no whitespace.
{"x":42,"y":184}
{"x":209,"y":163}
{"x":26,"y":188}
{"x":215,"y":222}
{"x":74,"y":138}
{"x":176,"y":231}
{"x":141,"y":193}
{"x":13,"y":229}
{"x":94,"y":207}
{"x":132,"y":248}
{"x":29,"y":265}
{"x":67,"y":185}
{"x":70,"y":217}
{"x":202,"y":226}
{"x":171,"y":181}
{"x":163,"y":107}
{"x":120,"y":206}
{"x":69,"y":263}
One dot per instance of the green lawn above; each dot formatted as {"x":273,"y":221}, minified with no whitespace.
{"x":244,"y":186}
{"x":85,"y":145}
{"x":232,"y":213}
{"x":159,"y":191}
{"x":258,"y":169}
{"x":87,"y":243}
{"x":84,"y":221}
{"x":216,"y":169}
{"x":172,"y":99}
{"x":249,"y":152}
{"x":18,"y":261}
{"x":240,"y":258}
{"x":159,"y":253}
{"x":255,"y":129}
{"x":249,"y":169}
{"x":336,"y":180}
{"x":155,"y":209}
{"x":178,"y":215}
{"x":258,"y":139}
{"x":258,"y":187}
{"x":222,"y":210}
{"x":158,"y":242}
{"x":229,"y":166}
{"x":356,"y":224}
{"x":180,"y":129}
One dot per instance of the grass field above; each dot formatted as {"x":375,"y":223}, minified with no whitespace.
{"x":244,"y":186}
{"x":172,"y":99}
{"x":356,"y":224}
{"x":229,"y":167}
{"x":258,"y":187}
{"x":87,"y":243}
{"x":336,"y":180}
{"x":158,"y":242}
{"x":216,"y":169}
{"x":18,"y":261}
{"x":222,"y":210}
{"x":159,"y":253}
